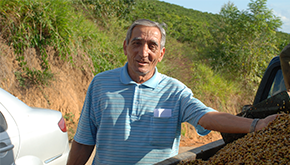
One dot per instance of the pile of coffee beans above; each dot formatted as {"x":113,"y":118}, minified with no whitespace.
{"x":270,"y":145}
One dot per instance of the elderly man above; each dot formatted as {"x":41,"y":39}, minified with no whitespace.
{"x":133,"y":114}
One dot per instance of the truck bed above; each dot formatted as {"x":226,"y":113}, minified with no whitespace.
{"x":203,"y":152}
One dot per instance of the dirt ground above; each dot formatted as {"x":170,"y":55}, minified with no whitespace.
{"x":192,"y":139}
{"x":67,"y":92}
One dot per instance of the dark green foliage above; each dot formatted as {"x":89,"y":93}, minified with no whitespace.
{"x":107,"y":9}
{"x":283,"y":39}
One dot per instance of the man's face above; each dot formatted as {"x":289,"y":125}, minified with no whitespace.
{"x":143,"y":52}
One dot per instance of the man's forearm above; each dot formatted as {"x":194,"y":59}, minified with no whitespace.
{"x":79,"y":154}
{"x":224,"y":122}
{"x":228,"y":123}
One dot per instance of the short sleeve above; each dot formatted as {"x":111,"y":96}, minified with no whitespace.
{"x":192,"y":110}
{"x":86,"y":130}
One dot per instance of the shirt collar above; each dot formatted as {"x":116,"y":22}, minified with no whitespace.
{"x":151,"y":83}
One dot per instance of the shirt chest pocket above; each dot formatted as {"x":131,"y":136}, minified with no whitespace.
{"x":163,"y":131}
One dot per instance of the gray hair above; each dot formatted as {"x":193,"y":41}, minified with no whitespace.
{"x":146,"y":22}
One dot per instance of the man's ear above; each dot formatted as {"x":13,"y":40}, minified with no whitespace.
{"x":125,"y":47}
{"x":162,"y":52}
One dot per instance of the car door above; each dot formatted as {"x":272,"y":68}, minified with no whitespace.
{"x":9,"y":137}
{"x":272,"y":81}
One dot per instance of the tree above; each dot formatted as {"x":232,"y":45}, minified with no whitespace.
{"x":245,"y":41}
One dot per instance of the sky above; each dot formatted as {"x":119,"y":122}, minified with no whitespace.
{"x":281,"y":8}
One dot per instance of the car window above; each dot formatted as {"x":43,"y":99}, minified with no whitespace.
{"x":278,"y":84}
{"x":3,"y":124}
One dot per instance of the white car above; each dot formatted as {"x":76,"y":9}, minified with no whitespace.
{"x":31,"y":136}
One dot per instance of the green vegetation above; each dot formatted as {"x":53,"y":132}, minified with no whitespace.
{"x":70,"y":124}
{"x":26,"y":24}
{"x":219,"y":56}
{"x":245,"y":41}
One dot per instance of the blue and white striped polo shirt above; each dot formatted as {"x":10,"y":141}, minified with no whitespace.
{"x":134,"y":123}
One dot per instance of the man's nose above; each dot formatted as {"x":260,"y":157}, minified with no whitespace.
{"x":145,"y":50}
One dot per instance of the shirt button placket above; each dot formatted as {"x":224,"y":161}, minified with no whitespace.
{"x":135,"y":101}
{"x":138,"y":100}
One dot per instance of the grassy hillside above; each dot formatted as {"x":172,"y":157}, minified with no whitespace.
{"x":97,"y":30}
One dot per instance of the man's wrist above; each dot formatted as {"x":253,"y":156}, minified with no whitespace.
{"x":253,"y":125}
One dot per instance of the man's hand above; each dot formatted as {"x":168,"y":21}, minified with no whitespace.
{"x":264,"y":122}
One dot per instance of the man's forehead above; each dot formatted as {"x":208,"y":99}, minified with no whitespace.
{"x":147,"y":31}
{"x":155,"y":41}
